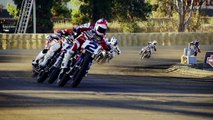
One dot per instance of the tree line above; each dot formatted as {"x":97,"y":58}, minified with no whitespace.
{"x":125,"y":12}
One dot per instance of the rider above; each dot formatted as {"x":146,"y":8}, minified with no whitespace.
{"x":195,"y":45}
{"x":113,"y":43}
{"x":54,"y":43}
{"x":89,"y":31}
{"x":151,"y":45}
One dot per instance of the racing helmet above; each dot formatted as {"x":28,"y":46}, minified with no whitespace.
{"x":154,"y":42}
{"x":113,"y":41}
{"x":102,"y":21}
{"x":100,"y":27}
{"x":196,"y":43}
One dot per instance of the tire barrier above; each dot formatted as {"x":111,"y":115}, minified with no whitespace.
{"x":22,"y":41}
{"x":37,"y":41}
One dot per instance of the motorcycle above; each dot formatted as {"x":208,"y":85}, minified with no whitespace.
{"x":104,"y":56}
{"x":56,"y":68}
{"x":145,"y":53}
{"x":82,"y":63}
{"x":36,"y":69}
{"x":43,"y":71}
{"x":61,"y":82}
{"x":194,"y":50}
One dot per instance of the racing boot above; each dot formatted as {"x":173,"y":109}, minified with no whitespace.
{"x":38,"y":57}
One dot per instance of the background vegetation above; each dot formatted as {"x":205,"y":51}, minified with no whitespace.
{"x":123,"y":15}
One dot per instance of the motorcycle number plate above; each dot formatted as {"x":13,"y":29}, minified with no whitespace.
{"x":91,"y":47}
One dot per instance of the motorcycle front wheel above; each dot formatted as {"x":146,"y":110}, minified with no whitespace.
{"x":80,"y":73}
{"x":42,"y":76}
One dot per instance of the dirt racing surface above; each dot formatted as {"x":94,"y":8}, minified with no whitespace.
{"x":125,"y":89}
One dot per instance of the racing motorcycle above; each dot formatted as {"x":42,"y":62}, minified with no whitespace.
{"x":104,"y":56}
{"x":80,"y":66}
{"x":194,"y":50}
{"x":56,"y":68}
{"x":145,"y":53}
{"x":43,"y":71}
{"x":35,"y":67}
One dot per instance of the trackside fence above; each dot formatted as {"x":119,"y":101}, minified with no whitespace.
{"x":37,"y":41}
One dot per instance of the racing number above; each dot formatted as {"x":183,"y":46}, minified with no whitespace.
{"x":91,"y":47}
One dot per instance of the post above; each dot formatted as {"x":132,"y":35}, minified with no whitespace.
{"x":189,"y":50}
{"x":34,"y":16}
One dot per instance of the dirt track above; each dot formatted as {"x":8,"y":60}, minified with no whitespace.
{"x":123,"y":90}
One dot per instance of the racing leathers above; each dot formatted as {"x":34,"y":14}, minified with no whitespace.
{"x":53,"y":44}
{"x":86,"y":35}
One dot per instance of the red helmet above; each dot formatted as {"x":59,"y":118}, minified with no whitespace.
{"x":100,"y":27}
{"x":102,"y":21}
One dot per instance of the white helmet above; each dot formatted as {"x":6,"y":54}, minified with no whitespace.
{"x":113,"y":41}
{"x":100,"y":27}
{"x":154,"y":42}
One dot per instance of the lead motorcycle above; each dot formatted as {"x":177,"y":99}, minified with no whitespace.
{"x":79,"y":68}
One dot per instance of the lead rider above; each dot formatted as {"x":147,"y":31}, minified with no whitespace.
{"x":88,"y":31}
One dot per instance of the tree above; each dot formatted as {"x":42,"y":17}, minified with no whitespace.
{"x":162,"y":8}
{"x":45,"y":9}
{"x":60,"y":9}
{"x":12,"y":10}
{"x":90,"y":10}
{"x":128,"y":12}
{"x":188,"y":12}
{"x":185,"y":9}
